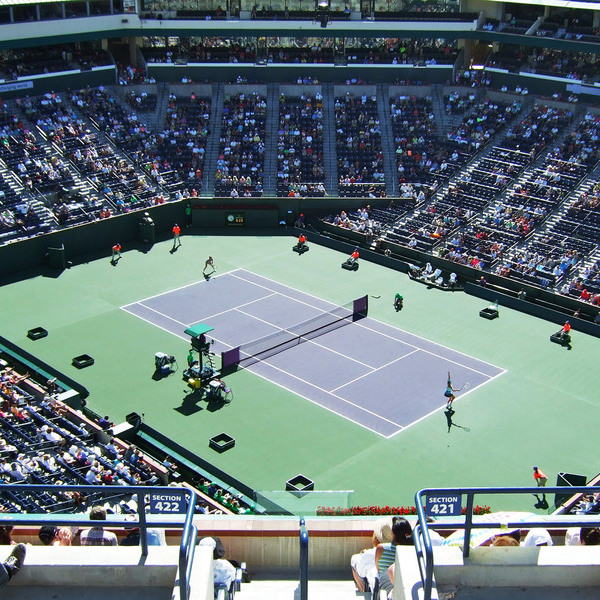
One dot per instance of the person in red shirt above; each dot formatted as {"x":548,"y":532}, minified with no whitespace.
{"x":354,"y":256}
{"x":540,"y":477}
{"x":566,"y":328}
{"x":301,"y":240}
{"x":176,"y":240}
{"x":116,"y":253}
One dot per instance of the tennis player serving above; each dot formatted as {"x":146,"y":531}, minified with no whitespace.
{"x":450,"y":389}
{"x":449,"y":393}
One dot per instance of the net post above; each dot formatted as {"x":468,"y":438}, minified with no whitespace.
{"x":230,"y":359}
{"x":360,"y":308}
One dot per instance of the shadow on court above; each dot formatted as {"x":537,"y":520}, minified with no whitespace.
{"x":191,"y":403}
{"x":189,"y":406}
{"x":449,"y":419}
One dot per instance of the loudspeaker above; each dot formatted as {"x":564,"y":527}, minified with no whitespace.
{"x":57,"y":258}
{"x":133,"y":419}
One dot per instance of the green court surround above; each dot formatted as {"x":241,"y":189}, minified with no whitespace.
{"x":543,"y":411}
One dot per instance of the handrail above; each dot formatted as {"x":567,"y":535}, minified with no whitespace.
{"x":187,"y":547}
{"x":303,"y":560}
{"x":188,"y":536}
{"x":422,"y":539}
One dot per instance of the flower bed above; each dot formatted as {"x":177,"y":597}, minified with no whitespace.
{"x":368,"y":511}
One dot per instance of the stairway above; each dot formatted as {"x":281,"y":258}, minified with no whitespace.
{"x":329,"y":148}
{"x":156,"y":121}
{"x":445,"y":123}
{"x":387,"y":139}
{"x":285,"y":589}
{"x":120,"y":51}
{"x":271,"y":129}
{"x":214,"y":139}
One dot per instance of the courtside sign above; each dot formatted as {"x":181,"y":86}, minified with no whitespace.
{"x":443,"y":505}
{"x":167,"y":503}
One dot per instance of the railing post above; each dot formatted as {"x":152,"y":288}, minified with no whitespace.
{"x":143,"y":524}
{"x":468,"y":523}
{"x":303,"y":560}
{"x":187,"y":549}
{"x":423,"y":548}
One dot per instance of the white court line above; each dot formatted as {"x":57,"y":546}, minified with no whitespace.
{"x":162,"y":315}
{"x":360,"y":324}
{"x":176,"y":289}
{"x":335,"y":412}
{"x":377,"y":321}
{"x":422,"y":418}
{"x":155,"y":324}
{"x":375,"y":370}
{"x":330,"y":393}
{"x":415,"y":349}
{"x":234,"y":273}
{"x":321,"y":310}
{"x":223,"y":312}
{"x":289,"y":287}
{"x":181,"y":336}
{"x":485,"y":362}
{"x":442,"y":407}
{"x":468,"y":391}
{"x":307,"y":340}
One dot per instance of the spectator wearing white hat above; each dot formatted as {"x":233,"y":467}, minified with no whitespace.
{"x":224,"y":571}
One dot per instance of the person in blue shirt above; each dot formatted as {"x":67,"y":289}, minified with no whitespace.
{"x":449,"y":393}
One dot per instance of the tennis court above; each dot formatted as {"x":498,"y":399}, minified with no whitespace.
{"x":375,"y":375}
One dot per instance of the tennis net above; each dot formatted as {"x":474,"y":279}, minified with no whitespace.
{"x":251,"y":352}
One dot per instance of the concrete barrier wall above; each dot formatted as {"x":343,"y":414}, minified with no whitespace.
{"x":96,"y":237}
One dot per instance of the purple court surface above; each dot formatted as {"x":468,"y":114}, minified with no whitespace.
{"x":380,"y":377}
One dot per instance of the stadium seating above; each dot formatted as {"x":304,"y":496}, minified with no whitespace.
{"x":358,"y":146}
{"x":300,"y":166}
{"x":241,"y":149}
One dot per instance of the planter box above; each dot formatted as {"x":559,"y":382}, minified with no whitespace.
{"x":82,"y":361}
{"x":489,"y":313}
{"x":37,"y":333}
{"x":299,"y":485}
{"x":221,"y":442}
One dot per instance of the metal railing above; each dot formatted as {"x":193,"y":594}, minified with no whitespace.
{"x":422,"y":539}
{"x":303,"y":560}
{"x":188,"y":537}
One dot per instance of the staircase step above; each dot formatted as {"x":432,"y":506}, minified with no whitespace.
{"x":290,"y":590}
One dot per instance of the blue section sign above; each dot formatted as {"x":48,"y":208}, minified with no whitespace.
{"x":443,"y":505}
{"x":167,"y":502}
